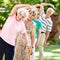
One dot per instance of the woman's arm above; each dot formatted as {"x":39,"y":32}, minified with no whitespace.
{"x":39,"y":33}
{"x":13,"y":11}
{"x":46,"y":37}
{"x":33,"y":36}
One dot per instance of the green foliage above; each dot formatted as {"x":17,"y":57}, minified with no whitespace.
{"x":30,"y":2}
{"x":51,"y":52}
{"x":4,"y":15}
{"x":58,"y":8}
{"x":8,"y":4}
{"x":53,"y":41}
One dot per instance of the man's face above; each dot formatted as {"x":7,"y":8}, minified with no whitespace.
{"x":20,"y":16}
{"x":48,"y":13}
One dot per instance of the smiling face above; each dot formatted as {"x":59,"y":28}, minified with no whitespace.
{"x":49,"y":12}
{"x":20,"y":16}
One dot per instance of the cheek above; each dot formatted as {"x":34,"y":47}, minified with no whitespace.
{"x":47,"y":14}
{"x":18,"y":17}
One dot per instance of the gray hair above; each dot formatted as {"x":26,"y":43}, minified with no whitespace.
{"x":51,"y":10}
{"x":23,"y":10}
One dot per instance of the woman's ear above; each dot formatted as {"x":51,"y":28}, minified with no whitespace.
{"x":16,"y":14}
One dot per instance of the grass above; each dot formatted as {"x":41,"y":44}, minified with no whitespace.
{"x":50,"y":52}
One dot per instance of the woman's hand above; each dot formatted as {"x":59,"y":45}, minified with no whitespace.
{"x":30,"y":50}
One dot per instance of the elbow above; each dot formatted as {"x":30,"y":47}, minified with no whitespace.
{"x":16,"y":6}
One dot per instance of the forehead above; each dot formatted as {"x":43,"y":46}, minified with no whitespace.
{"x":22,"y":12}
{"x":49,"y":10}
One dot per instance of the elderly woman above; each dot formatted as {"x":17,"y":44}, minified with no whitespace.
{"x":33,"y":27}
{"x":21,"y":48}
{"x":30,"y":27}
{"x":11,"y":28}
{"x":38,"y":27}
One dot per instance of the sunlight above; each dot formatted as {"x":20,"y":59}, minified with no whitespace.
{"x":48,"y":54}
{"x":6,"y":1}
{"x":55,"y":0}
{"x":56,"y":50}
{"x":45,"y":54}
{"x":36,"y":53}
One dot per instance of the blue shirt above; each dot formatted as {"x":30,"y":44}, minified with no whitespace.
{"x":38,"y":26}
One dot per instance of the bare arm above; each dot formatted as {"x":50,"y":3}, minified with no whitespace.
{"x":33,"y":36}
{"x":13,"y":11}
{"x":48,"y":4}
{"x":44,"y":4}
{"x":41,"y":7}
{"x":26,"y":38}
{"x":39,"y":32}
{"x":46,"y":36}
{"x":36,"y":5}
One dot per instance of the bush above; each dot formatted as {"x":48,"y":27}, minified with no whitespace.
{"x":53,"y":41}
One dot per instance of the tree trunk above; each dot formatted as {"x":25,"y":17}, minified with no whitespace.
{"x":59,"y":17}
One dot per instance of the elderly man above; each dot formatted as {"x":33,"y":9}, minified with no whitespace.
{"x":46,"y":26}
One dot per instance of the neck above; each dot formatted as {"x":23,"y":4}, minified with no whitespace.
{"x":28,"y":21}
{"x":36,"y":17}
{"x":47,"y":16}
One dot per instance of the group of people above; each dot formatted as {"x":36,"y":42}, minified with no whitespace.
{"x":25,"y":28}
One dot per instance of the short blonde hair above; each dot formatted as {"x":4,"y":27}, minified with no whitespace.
{"x":51,"y":10}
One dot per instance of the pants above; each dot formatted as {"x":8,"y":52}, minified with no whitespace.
{"x":6,"y":49}
{"x":41,"y":48}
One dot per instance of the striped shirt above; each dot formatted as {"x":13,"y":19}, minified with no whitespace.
{"x":46,"y":23}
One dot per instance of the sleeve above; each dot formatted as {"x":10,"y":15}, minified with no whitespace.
{"x":9,"y":21}
{"x":39,"y":24}
{"x":49,"y":26}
